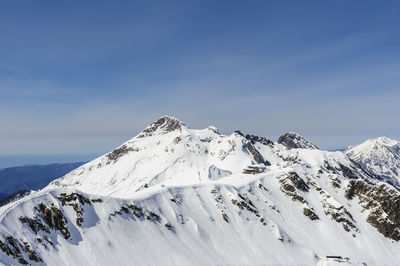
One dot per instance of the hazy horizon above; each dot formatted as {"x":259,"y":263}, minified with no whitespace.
{"x":15,"y":160}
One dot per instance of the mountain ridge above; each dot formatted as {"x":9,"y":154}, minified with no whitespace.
{"x":380,"y":156}
{"x":179,"y":196}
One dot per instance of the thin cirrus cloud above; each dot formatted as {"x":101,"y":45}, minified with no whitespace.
{"x":106,"y":71}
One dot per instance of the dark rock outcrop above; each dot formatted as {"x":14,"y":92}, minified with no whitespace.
{"x":119,"y":152}
{"x":298,"y":182}
{"x":19,"y":251}
{"x":263,"y":140}
{"x":291,"y":183}
{"x":258,"y":158}
{"x":295,"y":141}
{"x":165,"y":124}
{"x":383,"y":202}
{"x":253,"y":170}
{"x":76,"y":201}
{"x":347,"y":172}
{"x":239,"y":133}
{"x":47,"y":219}
{"x":310,"y":214}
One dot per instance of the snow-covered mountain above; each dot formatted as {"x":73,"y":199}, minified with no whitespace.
{"x":178,"y":196}
{"x":380,"y":156}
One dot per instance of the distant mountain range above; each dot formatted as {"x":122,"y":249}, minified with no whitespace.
{"x":179,"y":196}
{"x":31,"y":177}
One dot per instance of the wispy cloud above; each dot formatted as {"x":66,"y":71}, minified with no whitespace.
{"x":108,"y":72}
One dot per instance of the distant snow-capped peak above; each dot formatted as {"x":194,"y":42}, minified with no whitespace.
{"x":380,"y":156}
{"x":372,"y":144}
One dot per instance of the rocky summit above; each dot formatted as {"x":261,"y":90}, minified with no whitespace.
{"x":294,"y":141}
{"x":179,"y":196}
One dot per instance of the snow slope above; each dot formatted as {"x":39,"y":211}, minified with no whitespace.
{"x":178,"y":196}
{"x":380,"y":156}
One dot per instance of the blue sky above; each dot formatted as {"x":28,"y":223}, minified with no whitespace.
{"x":81,"y":77}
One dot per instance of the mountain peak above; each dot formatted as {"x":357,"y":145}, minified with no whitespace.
{"x":186,"y":186}
{"x":293,"y":140}
{"x":385,"y":141}
{"x":380,"y":156}
{"x":370,"y":145}
{"x":163,"y":125}
{"x":214,"y":129}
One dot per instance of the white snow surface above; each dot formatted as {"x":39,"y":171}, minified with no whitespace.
{"x":380,"y":156}
{"x":209,"y":211}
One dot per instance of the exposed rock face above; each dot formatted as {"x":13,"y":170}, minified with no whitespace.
{"x":214,"y":129}
{"x":263,"y":140}
{"x":254,"y":170}
{"x":47,"y":218}
{"x":119,"y":152}
{"x":163,"y":125}
{"x":295,"y":141}
{"x":341,"y":215}
{"x":17,"y":249}
{"x":382,"y":201}
{"x":298,"y":182}
{"x":292,"y":185}
{"x":348,"y":172}
{"x":258,"y":158}
{"x":76,"y":201}
{"x":310,"y":214}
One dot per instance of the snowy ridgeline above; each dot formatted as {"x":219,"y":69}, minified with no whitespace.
{"x":176,"y":196}
{"x":380,"y":156}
